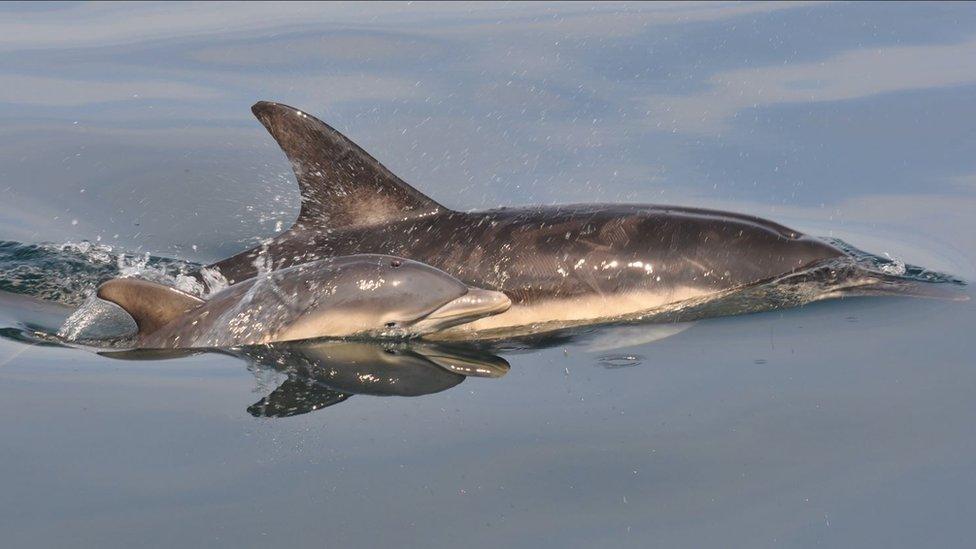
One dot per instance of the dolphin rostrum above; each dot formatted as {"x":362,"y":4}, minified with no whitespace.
{"x":362,"y":295}
{"x":560,"y":265}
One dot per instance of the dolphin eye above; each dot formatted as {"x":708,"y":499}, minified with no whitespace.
{"x":396,"y":263}
{"x":391,"y":324}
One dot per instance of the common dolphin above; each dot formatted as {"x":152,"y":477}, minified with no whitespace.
{"x":560,"y":265}
{"x":362,"y":295}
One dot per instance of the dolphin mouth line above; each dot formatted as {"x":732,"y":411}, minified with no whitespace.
{"x":475,"y":304}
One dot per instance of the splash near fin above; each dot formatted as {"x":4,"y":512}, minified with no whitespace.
{"x":151,"y":305}
{"x":341,"y":184}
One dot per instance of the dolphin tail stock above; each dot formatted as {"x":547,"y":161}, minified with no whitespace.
{"x":341,"y":184}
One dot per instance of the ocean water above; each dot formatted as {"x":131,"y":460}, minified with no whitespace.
{"x":127,"y":146}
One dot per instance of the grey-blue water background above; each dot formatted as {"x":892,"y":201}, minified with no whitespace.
{"x":842,"y":424}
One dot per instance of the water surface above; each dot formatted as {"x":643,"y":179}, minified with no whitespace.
{"x":126,"y":131}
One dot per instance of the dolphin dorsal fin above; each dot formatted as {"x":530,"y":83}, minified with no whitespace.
{"x":341,"y":184}
{"x":151,"y":305}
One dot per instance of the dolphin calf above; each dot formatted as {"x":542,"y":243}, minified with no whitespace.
{"x":560,"y":265}
{"x":362,"y":295}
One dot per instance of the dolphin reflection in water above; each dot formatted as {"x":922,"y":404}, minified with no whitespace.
{"x":323,"y":373}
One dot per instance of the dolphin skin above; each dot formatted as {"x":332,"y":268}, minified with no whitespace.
{"x":362,"y":295}
{"x":560,"y":265}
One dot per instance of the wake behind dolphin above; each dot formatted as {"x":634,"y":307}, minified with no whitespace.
{"x":561,"y":266}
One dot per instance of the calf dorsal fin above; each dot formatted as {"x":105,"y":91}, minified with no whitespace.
{"x":341,"y":184}
{"x":151,"y":305}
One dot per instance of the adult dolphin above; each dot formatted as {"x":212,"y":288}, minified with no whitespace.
{"x":560,"y":265}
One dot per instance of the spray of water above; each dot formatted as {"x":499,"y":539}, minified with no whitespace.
{"x":69,"y":272}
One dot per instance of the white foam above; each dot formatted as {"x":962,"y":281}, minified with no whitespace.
{"x":98,"y":319}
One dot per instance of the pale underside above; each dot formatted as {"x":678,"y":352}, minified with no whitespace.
{"x":552,"y":314}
